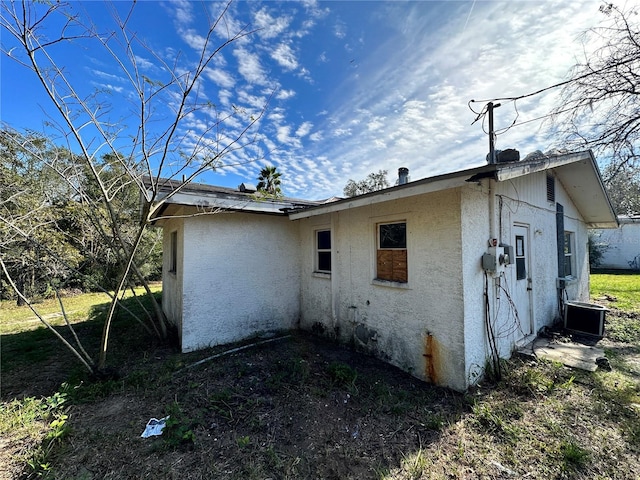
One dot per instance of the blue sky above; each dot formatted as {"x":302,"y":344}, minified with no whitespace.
{"x":352,"y":87}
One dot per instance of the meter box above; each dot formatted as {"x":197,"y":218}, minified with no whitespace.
{"x":497,"y":258}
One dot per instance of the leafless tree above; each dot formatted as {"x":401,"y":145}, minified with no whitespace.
{"x":161,"y":146}
{"x":600,"y":103}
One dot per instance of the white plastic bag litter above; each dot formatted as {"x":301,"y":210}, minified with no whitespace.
{"x":154,"y":427}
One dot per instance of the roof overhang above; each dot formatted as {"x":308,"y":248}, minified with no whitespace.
{"x":204,"y":199}
{"x":577,"y":172}
{"x":419,"y":187}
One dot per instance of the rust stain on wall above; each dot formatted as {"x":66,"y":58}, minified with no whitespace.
{"x":431,"y":358}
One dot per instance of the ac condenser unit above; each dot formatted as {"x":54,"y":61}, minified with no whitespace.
{"x":585,"y":318}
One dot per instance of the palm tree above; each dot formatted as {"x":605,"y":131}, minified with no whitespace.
{"x":269,"y":181}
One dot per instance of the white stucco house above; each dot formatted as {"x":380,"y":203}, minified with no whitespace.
{"x":620,"y":247}
{"x":434,"y":276}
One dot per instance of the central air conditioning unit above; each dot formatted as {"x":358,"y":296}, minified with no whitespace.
{"x":584,"y":318}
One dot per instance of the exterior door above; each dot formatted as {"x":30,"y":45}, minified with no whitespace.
{"x":522,"y":290}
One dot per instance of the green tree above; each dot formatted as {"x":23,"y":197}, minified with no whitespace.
{"x":33,"y":215}
{"x":373,"y":182}
{"x":269,"y":181}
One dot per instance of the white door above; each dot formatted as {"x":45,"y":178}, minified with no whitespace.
{"x":522,"y":290}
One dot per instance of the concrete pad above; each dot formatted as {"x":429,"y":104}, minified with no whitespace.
{"x":571,"y":354}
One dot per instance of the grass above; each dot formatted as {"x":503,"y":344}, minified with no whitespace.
{"x":302,"y":408}
{"x":624,"y":288}
{"x":79,"y":308}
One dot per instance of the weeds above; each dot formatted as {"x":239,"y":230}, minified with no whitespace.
{"x":574,"y":457}
{"x":272,"y":414}
{"x":38,"y":421}
{"x":178,"y":428}
{"x":342,"y":374}
{"x":498,"y":420}
{"x":292,"y":371}
{"x":621,"y":327}
{"x":243,"y":441}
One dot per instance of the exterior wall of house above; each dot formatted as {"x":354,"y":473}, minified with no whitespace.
{"x":577,"y":286}
{"x":620,"y":247}
{"x":172,"y":281}
{"x":240,"y":277}
{"x":521,"y":202}
{"x":475,"y":237}
{"x":417,"y":326}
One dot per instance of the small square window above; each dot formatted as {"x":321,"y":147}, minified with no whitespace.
{"x":323,"y":251}
{"x":391,"y":258}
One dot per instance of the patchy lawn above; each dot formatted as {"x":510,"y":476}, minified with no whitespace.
{"x":299,"y":407}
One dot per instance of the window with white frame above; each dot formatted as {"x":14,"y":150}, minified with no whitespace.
{"x":568,"y":254}
{"x":391,"y":258}
{"x":323,"y":251}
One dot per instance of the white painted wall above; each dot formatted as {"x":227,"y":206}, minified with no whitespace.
{"x":242,"y":273}
{"x":621,"y":246}
{"x":393,"y":321}
{"x":521,"y":201}
{"x":475,"y":238}
{"x":172,"y":282}
{"x":240,"y":277}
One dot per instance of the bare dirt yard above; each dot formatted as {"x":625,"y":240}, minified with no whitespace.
{"x":300,"y":407}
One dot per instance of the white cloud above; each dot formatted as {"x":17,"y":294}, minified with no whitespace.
{"x":342,"y":132}
{"x":144,"y":63}
{"x":284,"y":55}
{"x":108,"y":76}
{"x":249,"y":100}
{"x":192,"y":38}
{"x":182,"y":11}
{"x":284,"y":94}
{"x":304,"y":129}
{"x":270,"y":26}
{"x":220,"y":77}
{"x":284,"y":136}
{"x":109,"y":87}
{"x":250,"y":67}
{"x":316,"y":136}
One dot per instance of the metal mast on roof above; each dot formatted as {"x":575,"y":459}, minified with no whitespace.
{"x":492,"y":135}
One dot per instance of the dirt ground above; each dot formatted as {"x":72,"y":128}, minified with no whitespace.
{"x":301,"y":407}
{"x":297,"y":407}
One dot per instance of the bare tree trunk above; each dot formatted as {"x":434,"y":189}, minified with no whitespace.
{"x":161,"y":146}
{"x":114,"y":303}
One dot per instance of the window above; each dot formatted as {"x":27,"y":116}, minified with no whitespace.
{"x":173,"y":266}
{"x":521,"y":258}
{"x":323,"y":251}
{"x":391,"y":262}
{"x":568,"y":254}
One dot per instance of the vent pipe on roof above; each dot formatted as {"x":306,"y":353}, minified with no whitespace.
{"x":403,"y":175}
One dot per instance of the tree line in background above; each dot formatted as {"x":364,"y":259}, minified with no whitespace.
{"x":54,"y":231}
